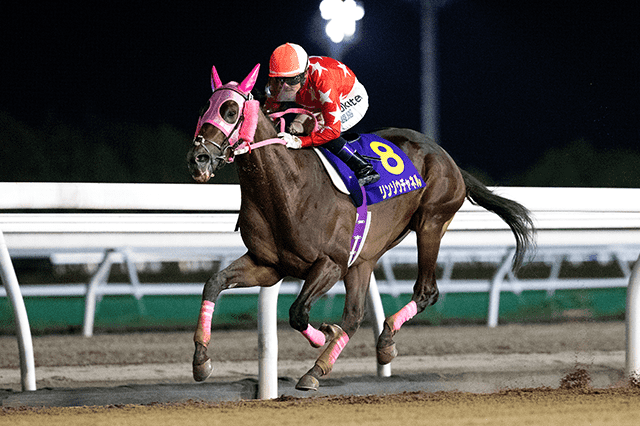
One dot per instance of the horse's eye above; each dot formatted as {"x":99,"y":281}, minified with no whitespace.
{"x":229,"y":111}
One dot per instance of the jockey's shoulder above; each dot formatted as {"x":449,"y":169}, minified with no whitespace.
{"x":324,"y":60}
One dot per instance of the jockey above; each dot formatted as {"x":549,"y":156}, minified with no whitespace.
{"x":331,"y":91}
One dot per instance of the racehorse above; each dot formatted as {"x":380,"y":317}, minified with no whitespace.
{"x":294,"y":222}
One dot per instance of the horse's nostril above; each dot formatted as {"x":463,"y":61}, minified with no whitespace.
{"x":202,"y":158}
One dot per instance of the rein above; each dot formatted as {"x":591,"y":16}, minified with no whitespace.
{"x":247,"y":145}
{"x":281,"y":114}
{"x":246,"y":127}
{"x":201,"y":141}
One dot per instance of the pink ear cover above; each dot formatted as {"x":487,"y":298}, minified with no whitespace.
{"x":215,"y":79}
{"x":250,"y":81}
{"x":250,"y":113}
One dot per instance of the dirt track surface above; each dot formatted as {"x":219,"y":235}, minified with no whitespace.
{"x":578,"y":348}
{"x":176,"y":347}
{"x":117,"y":359}
{"x":533,"y":407}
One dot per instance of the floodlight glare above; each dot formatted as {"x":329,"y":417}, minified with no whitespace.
{"x":342,"y":16}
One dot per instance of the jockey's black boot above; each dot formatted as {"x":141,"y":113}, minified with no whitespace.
{"x":362,"y":168}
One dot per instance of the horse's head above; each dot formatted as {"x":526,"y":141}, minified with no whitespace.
{"x":230,"y":116}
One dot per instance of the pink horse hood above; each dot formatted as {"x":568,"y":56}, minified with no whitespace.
{"x":237,"y":92}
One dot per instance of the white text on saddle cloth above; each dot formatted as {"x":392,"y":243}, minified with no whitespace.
{"x":400,"y":186}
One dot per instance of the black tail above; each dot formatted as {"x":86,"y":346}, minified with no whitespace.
{"x":514,"y":214}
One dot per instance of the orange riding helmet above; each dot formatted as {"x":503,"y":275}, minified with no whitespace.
{"x":288,"y":60}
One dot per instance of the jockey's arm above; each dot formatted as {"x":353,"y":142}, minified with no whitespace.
{"x":301,"y":125}
{"x":329,"y":128}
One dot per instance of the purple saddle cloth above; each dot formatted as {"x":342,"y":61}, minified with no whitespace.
{"x":398,"y":175}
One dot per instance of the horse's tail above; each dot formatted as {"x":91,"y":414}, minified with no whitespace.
{"x":514,"y":214}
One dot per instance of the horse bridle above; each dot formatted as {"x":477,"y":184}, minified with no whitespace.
{"x":223,"y":148}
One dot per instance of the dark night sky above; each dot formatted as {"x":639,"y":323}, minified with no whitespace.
{"x":516,"y":78}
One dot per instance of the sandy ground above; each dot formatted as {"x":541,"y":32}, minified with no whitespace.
{"x":165,"y":357}
{"x":578,"y":353}
{"x":544,"y":407}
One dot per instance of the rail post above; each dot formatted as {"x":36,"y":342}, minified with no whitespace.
{"x":25,"y":344}
{"x":496,"y":288}
{"x":268,"y":342}
{"x":99,"y":278}
{"x":633,"y":324}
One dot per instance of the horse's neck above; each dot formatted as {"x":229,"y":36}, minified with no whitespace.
{"x":271,"y":173}
{"x":272,"y":168}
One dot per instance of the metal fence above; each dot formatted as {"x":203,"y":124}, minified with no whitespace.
{"x":73,"y":223}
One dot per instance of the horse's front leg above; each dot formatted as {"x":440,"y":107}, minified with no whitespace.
{"x":322,"y":275}
{"x":242,"y":272}
{"x":356,"y":285}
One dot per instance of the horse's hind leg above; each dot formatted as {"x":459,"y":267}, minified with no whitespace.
{"x":425,"y":291}
{"x":356,"y":285}
{"x":242,"y":272}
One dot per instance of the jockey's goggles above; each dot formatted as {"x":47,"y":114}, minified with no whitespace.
{"x":290,"y":81}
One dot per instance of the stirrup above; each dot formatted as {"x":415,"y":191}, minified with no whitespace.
{"x":367,"y":175}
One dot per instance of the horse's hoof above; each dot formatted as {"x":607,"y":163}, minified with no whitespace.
{"x":202,"y":371}
{"x":387,"y":354}
{"x":308,"y":383}
{"x":331,"y":331}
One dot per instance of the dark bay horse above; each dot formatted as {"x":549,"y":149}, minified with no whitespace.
{"x":294,"y":222}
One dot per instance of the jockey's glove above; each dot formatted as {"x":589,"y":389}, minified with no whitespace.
{"x":296,"y":128}
{"x":293,"y":142}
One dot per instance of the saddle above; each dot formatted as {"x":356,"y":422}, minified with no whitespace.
{"x":398,"y":175}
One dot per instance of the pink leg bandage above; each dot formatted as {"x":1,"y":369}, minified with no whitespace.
{"x":337,"y":349}
{"x":404,"y":315}
{"x":203,"y":333}
{"x":314,"y":336}
{"x":333,"y":350}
